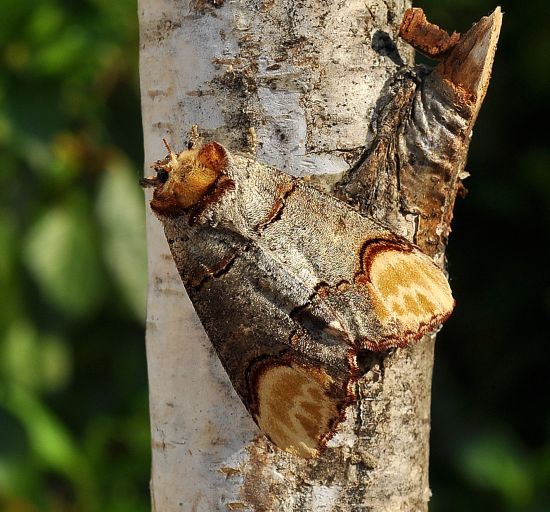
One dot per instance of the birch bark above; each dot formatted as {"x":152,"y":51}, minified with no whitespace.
{"x":303,"y":86}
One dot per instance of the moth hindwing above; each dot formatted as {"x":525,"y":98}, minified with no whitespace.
{"x":290,"y":283}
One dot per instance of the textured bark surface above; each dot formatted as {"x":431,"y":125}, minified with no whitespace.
{"x":303,"y":87}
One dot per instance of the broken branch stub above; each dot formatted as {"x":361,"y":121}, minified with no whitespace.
{"x":418,"y":154}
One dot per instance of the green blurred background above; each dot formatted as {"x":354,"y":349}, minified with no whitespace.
{"x":74,"y":432}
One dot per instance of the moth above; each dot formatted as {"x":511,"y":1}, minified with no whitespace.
{"x":290,"y":284}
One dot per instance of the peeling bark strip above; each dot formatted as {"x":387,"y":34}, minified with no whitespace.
{"x":302,"y":78}
{"x":424,"y":36}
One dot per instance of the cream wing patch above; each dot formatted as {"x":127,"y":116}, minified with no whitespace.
{"x":294,"y":409}
{"x":409,"y":289}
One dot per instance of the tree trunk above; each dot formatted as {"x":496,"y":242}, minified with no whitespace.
{"x":304,"y":86}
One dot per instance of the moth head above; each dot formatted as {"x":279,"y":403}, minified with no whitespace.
{"x":182,"y":180}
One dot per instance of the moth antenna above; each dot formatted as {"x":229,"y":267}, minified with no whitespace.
{"x":173,"y":156}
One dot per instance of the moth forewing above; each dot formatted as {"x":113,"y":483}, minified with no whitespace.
{"x":380,"y":288}
{"x":290,"y":283}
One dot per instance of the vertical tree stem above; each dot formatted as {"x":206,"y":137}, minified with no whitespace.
{"x":304,"y":87}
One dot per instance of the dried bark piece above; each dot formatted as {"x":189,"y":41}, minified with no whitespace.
{"x":424,"y":36}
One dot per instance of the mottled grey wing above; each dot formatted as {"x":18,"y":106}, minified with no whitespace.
{"x":296,"y":386}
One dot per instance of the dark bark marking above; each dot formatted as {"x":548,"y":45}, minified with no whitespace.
{"x":383,"y":45}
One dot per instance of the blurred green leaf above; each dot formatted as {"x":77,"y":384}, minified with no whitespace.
{"x":50,"y":441}
{"x":9,"y":276}
{"x":19,"y":355}
{"x":47,"y":436}
{"x":55,"y":362}
{"x":5,"y":128}
{"x":61,"y":253}
{"x":45,"y":22}
{"x":494,"y":462}
{"x":33,"y":360}
{"x":62,"y":53}
{"x":18,"y":475}
{"x":121,"y":209}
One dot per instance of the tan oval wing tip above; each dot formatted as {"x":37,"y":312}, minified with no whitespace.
{"x":411,"y":296}
{"x":295,"y":408}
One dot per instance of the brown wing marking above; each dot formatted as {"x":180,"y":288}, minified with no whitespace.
{"x":296,"y":406}
{"x":407,"y":288}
